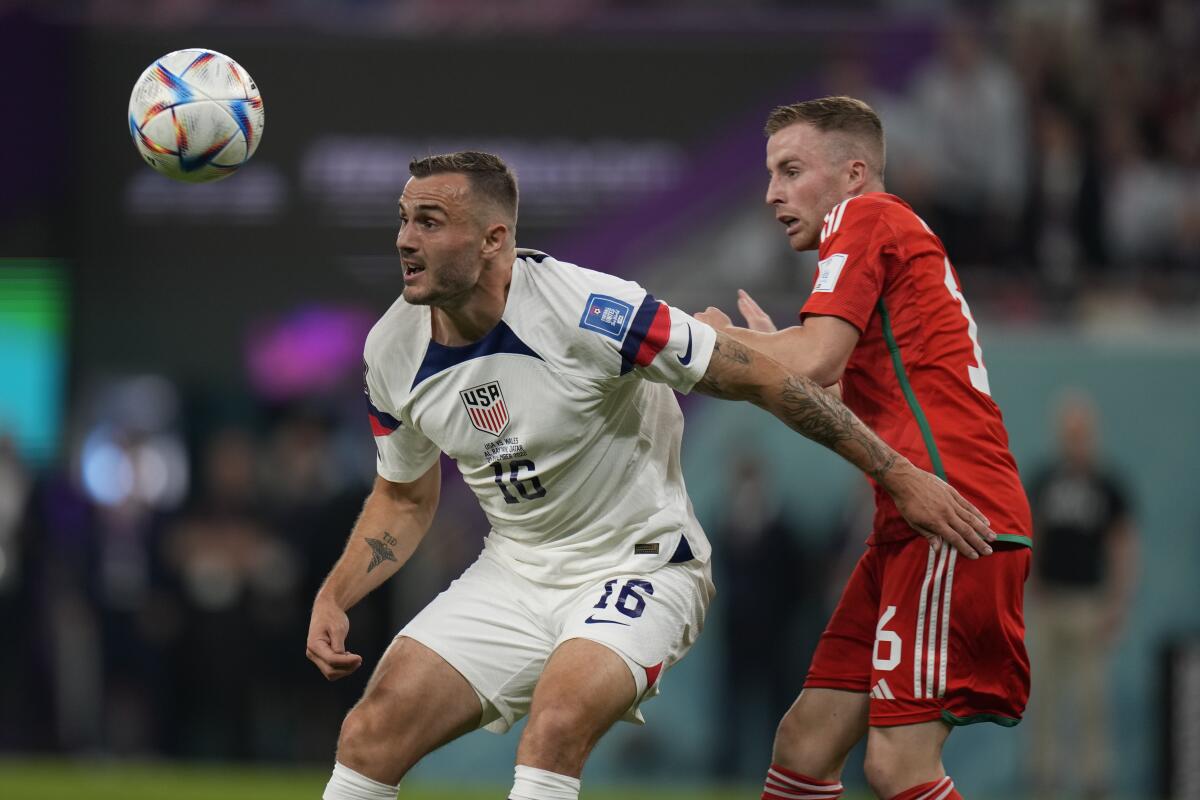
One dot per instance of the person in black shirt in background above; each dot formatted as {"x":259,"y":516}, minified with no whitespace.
{"x":765,"y":579}
{"x":1085,"y":565}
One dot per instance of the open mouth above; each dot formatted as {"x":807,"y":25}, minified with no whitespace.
{"x":412,"y":269}
{"x":791,"y":223}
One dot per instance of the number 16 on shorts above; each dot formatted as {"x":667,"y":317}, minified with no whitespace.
{"x":631,"y":601}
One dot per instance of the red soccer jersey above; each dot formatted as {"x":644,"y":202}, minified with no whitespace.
{"x":917,"y":375}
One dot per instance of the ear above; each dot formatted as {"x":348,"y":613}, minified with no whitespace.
{"x":857,"y":175}
{"x":495,"y":238}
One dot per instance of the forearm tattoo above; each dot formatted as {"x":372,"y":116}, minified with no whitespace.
{"x":728,"y":354}
{"x":381,"y":551}
{"x":736,"y":372}
{"x":826,"y":420}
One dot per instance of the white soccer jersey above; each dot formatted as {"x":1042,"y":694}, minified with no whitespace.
{"x":561,"y":419}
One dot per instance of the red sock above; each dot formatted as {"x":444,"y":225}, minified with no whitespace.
{"x":937,"y":790}
{"x":783,"y":784}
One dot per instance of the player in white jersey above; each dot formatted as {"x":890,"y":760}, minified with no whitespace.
{"x":551,"y":387}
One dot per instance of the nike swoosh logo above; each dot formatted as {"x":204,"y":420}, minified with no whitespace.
{"x":594,"y":621}
{"x":686,"y":358}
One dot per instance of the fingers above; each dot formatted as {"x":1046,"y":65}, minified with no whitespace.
{"x":971,"y":539}
{"x":333,"y":664}
{"x":945,"y":533}
{"x":973,"y":516}
{"x":756,"y":318}
{"x":958,"y":534}
{"x":715,"y":317}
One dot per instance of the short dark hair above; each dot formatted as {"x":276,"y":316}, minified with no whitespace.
{"x":833,"y":114}
{"x":488,"y":174}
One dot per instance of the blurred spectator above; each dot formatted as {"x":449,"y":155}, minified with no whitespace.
{"x":975,"y":123}
{"x":1062,"y":227}
{"x":135,"y":620}
{"x":15,"y":485}
{"x":311,"y":497}
{"x":16,"y":607}
{"x":1084,"y":572}
{"x":763,"y":580}
{"x":1143,"y":196}
{"x":238,"y":582}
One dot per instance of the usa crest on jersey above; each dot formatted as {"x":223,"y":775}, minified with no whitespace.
{"x":486,"y":407}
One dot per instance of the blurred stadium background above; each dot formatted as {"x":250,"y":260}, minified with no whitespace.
{"x":182,"y":443}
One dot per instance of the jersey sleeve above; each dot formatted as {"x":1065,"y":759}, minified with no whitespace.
{"x":628,"y":330}
{"x":666,"y":345}
{"x":403,"y":454}
{"x":850,"y":272}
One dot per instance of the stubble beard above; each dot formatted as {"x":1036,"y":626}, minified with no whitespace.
{"x":447,"y":287}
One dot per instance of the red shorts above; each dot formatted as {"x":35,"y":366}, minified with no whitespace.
{"x":930,"y":635}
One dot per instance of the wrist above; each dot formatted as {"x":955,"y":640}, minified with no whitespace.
{"x":329,"y":596}
{"x":894,"y":473}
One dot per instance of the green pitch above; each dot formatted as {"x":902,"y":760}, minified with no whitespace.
{"x":87,"y":780}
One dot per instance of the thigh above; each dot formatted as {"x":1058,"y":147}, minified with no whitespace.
{"x":414,"y":703}
{"x":586,"y":687}
{"x":842,"y":659}
{"x":486,"y":625}
{"x":650,"y":621}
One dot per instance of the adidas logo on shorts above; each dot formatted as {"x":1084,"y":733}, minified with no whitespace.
{"x":881,"y":690}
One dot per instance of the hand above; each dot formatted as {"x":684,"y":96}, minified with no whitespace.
{"x":715,"y":317}
{"x":756,"y":318}
{"x":936,"y":511}
{"x":327,"y":641}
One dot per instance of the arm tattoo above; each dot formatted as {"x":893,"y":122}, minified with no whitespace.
{"x":381,"y":551}
{"x":728,"y":354}
{"x":737,"y":372}
{"x":827,"y":421}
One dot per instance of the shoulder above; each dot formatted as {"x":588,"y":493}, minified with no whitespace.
{"x":400,"y":321}
{"x":875,"y":217}
{"x":855,"y":217}
{"x":573,"y":316}
{"x":574,"y":294}
{"x":396,"y":344}
{"x":548,"y":274}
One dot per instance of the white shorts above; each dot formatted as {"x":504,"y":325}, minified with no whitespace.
{"x":498,"y":629}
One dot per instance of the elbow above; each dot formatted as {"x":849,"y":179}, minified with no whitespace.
{"x":826,"y":374}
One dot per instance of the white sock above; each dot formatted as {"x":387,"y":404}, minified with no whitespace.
{"x":538,"y":784}
{"x":346,"y":784}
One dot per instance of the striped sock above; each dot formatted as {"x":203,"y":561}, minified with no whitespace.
{"x":937,"y":790}
{"x":783,"y":784}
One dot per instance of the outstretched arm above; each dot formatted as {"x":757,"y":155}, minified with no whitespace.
{"x":818,"y":349}
{"x":393,"y":522}
{"x":931,"y":506}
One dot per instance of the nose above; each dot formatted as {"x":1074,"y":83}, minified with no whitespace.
{"x":774,"y":192}
{"x":404,"y":241}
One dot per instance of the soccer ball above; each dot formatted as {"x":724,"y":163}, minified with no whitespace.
{"x":195,"y":115}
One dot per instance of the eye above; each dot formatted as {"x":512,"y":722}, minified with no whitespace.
{"x":792,"y":172}
{"x":428,"y":224}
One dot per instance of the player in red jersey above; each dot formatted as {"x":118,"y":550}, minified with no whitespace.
{"x":921,"y":640}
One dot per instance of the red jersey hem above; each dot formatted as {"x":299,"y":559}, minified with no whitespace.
{"x":862,"y":687}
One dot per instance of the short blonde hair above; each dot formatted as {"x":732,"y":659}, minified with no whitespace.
{"x":840,"y":114}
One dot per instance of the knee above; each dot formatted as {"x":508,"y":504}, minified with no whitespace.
{"x":370,"y":745}
{"x":557,"y":738}
{"x":798,"y":747}
{"x":889,"y":775}
{"x":880,"y":773}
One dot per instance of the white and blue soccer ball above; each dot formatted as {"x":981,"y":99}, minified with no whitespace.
{"x":195,"y":115}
